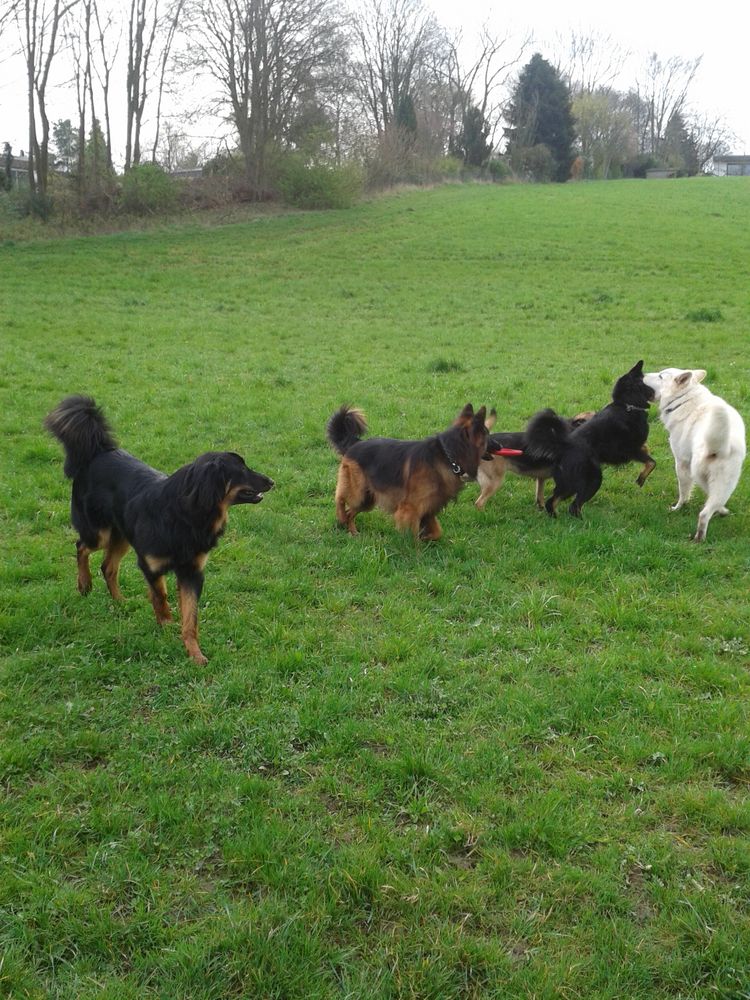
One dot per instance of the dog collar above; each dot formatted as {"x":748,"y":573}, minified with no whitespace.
{"x":455,"y":467}
{"x":671,"y":409}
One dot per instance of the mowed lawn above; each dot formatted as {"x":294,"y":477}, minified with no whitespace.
{"x":510,"y":764}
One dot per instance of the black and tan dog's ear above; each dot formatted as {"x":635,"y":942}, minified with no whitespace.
{"x":491,"y":419}
{"x":465,"y":416}
{"x":205,"y":488}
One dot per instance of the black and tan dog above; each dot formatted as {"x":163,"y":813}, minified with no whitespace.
{"x":615,"y":435}
{"x":172,"y":522}
{"x":491,"y":473}
{"x":413,"y":480}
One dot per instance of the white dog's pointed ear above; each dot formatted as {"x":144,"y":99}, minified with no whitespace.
{"x":700,"y":374}
{"x":683,"y":378}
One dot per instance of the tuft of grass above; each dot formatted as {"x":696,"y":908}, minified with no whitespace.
{"x":443,"y":366}
{"x":705,"y":314}
{"x":512,"y":763}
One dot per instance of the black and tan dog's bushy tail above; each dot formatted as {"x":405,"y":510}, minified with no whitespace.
{"x":345,"y":428}
{"x":82,"y":429}
{"x":546,"y":435}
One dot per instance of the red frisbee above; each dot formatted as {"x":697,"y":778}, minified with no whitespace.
{"x":508,"y":451}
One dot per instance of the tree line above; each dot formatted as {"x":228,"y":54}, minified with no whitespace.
{"x":314,"y":92}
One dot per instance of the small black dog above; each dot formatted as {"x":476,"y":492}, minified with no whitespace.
{"x":172,"y":522}
{"x":613,"y":436}
{"x":491,"y":473}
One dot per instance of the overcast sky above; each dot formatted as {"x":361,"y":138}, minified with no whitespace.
{"x":667,"y":28}
{"x":719,"y":33}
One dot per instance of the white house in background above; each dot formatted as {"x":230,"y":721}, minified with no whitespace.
{"x":732,"y":166}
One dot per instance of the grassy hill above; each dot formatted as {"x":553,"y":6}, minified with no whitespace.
{"x":513,"y":763}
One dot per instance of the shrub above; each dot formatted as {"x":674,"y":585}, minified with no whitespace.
{"x":318,"y":186}
{"x":499,"y":170}
{"x":147,"y":190}
{"x":27,"y":203}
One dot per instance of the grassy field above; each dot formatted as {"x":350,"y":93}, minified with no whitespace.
{"x":510,"y":764}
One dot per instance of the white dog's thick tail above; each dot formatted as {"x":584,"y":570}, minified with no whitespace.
{"x":717,"y":436}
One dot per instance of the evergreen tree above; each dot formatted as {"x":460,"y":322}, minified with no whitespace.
{"x":65,"y":139}
{"x":406,"y":115}
{"x":471,"y":143}
{"x":540,"y":114}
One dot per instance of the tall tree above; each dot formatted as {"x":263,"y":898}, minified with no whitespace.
{"x":661,"y":92}
{"x":40,"y":25}
{"x":266,"y":56}
{"x":480,"y":83}
{"x":605,"y":131}
{"x":591,"y":62}
{"x":394,"y":41}
{"x":152,"y":28}
{"x":539,"y":114}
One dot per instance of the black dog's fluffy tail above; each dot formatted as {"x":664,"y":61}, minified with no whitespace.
{"x":83,"y":431}
{"x":547,"y":433}
{"x":345,"y":428}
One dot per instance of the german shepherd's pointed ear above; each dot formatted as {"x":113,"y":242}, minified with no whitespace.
{"x":205,"y":488}
{"x":684,"y":378}
{"x":465,"y":416}
{"x":491,"y":419}
{"x":700,"y":374}
{"x":479,"y":430}
{"x":637,"y":369}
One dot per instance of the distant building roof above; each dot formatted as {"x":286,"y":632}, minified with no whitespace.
{"x":732,"y":158}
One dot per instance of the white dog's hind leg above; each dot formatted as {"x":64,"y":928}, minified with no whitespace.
{"x":685,"y":483}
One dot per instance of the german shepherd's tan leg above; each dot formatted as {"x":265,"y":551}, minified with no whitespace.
{"x":352,"y":495}
{"x":111,"y":566}
{"x":540,"y":493}
{"x":430,"y":529}
{"x":648,"y":465}
{"x":406,"y":516}
{"x":190,"y":591}
{"x":490,"y":479}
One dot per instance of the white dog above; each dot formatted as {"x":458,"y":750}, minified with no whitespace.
{"x":707,"y":437}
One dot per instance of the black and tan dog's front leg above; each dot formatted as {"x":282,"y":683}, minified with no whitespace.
{"x":154,"y":569}
{"x":648,"y":465}
{"x":190,"y":586}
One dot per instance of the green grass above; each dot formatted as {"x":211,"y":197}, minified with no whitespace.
{"x":513,"y":763}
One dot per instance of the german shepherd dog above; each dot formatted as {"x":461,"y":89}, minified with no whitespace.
{"x":413,"y":480}
{"x":172,"y":522}
{"x":492,"y":473}
{"x":613,"y":436}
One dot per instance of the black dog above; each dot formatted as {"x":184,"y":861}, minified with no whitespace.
{"x":613,"y":436}
{"x":172,"y":522}
{"x":491,"y":474}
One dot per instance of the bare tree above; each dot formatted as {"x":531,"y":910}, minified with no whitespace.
{"x":482,"y":82}
{"x":40,"y":29}
{"x":394,"y":40}
{"x":711,"y":137}
{"x":152,"y":27}
{"x":267,"y":57}
{"x":661,"y":93}
{"x":106,"y":54}
{"x":591,"y":61}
